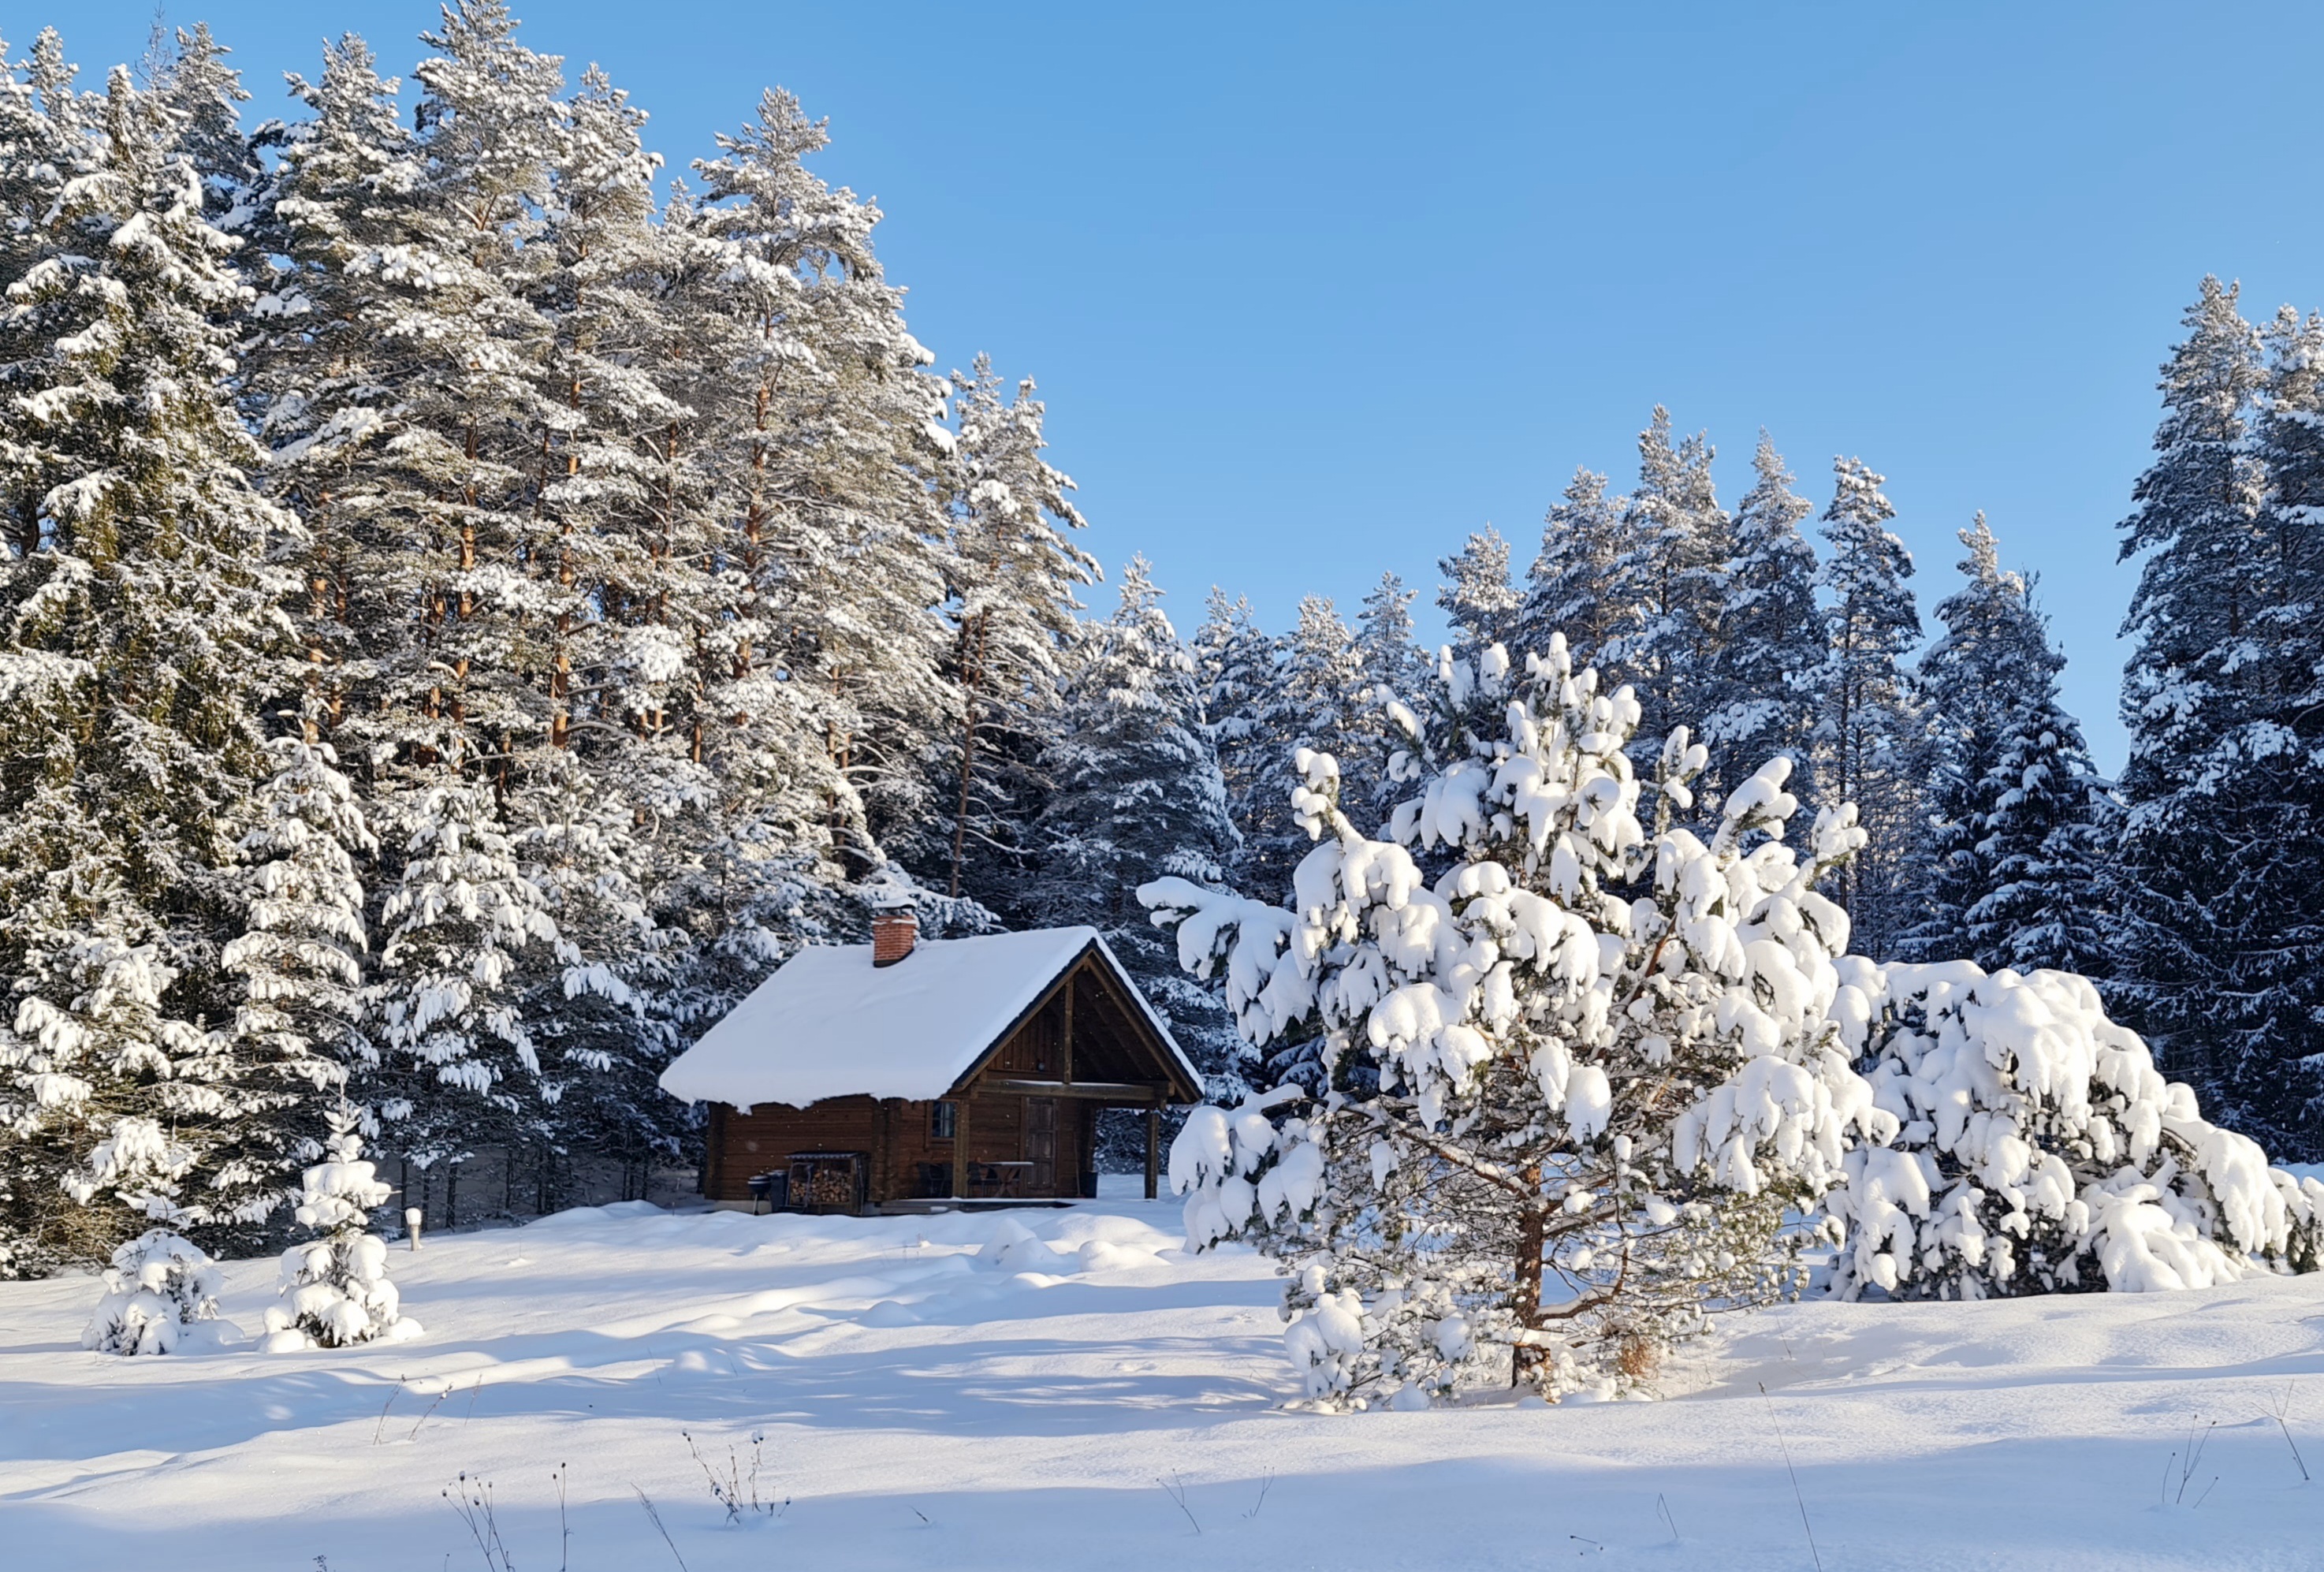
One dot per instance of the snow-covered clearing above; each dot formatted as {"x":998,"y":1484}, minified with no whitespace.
{"x":924,"y":1405}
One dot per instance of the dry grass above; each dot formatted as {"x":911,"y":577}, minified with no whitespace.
{"x":1639,"y":1357}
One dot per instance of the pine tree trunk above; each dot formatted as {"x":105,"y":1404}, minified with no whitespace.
{"x":1532,"y":1239}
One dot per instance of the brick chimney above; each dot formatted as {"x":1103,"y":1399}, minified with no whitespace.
{"x":894,"y":931}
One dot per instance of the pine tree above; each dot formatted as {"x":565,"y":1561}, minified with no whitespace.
{"x":1870,"y":734}
{"x":1014,"y":576}
{"x":1509,"y":1180}
{"x":615,"y":555}
{"x":2041,"y":1151}
{"x":832,"y":438}
{"x":461,"y":1065}
{"x":141,"y":626}
{"x":2041,"y":849}
{"x":1477,"y":595}
{"x":821,"y":705}
{"x":1235,"y":674}
{"x":435,"y":286}
{"x":1571,"y":590}
{"x":1317,"y":702}
{"x":46,"y":140}
{"x":1392,"y":657}
{"x":203,"y":95}
{"x":323,"y":376}
{"x":1759,"y":695}
{"x":301,"y":959}
{"x":1670,"y":566}
{"x":1138,"y":797}
{"x":2217,"y":878}
{"x":1391,"y":667}
{"x":1991,"y":666}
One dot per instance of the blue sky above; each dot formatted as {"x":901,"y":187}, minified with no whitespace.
{"x":1315,"y":291}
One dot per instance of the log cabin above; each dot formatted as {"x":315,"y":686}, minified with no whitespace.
{"x":906,"y":1074}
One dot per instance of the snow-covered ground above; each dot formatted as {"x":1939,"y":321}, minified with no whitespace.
{"x":923,"y":1405}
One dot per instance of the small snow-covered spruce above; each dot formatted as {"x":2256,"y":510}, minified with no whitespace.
{"x":2041,"y":1151}
{"x":159,"y":1285}
{"x":335,"y":1287}
{"x":1572,"y":1084}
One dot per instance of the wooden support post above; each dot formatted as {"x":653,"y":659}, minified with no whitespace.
{"x":1065,"y":1051}
{"x":1153,"y":1150}
{"x":960,"y":1148}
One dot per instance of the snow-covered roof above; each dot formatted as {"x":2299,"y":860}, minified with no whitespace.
{"x":830,"y":1024}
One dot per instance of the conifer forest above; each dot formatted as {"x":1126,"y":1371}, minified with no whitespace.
{"x":474,"y":602}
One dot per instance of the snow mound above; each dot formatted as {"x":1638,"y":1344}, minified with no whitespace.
{"x":1014,"y":1247}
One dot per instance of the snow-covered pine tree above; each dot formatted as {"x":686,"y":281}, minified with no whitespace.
{"x":1574,"y":1083}
{"x":832,"y":438}
{"x":1869,"y":733}
{"x":590,"y":1001}
{"x":1476,"y":596}
{"x":2289,"y":447}
{"x":1390,"y":664}
{"x":411,"y":424}
{"x":158,"y":1285}
{"x":822,"y":707}
{"x":1317,"y":702}
{"x":205,"y":95}
{"x":1670,"y":566}
{"x":336,"y":1289}
{"x":45,"y":141}
{"x":1235,"y":672}
{"x":1759,"y":695}
{"x":2219,"y":879}
{"x":1136,"y":797}
{"x":2276,"y":914}
{"x":322,"y":378}
{"x":459,"y":1063}
{"x":1392,"y":657}
{"x":1571,"y":590}
{"x":474,"y":415}
{"x":618,"y":563}
{"x":2047,"y":816}
{"x":1013,"y":577}
{"x":830,"y":458}
{"x":1994,"y":657}
{"x":139,"y":622}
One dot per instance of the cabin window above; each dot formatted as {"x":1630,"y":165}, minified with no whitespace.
{"x":942,"y":1118}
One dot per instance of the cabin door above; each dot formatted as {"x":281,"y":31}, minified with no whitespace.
{"x":1041,"y":1144}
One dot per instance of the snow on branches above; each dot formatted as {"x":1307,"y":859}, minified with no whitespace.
{"x":2041,"y":1149}
{"x":1570,"y":1068}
